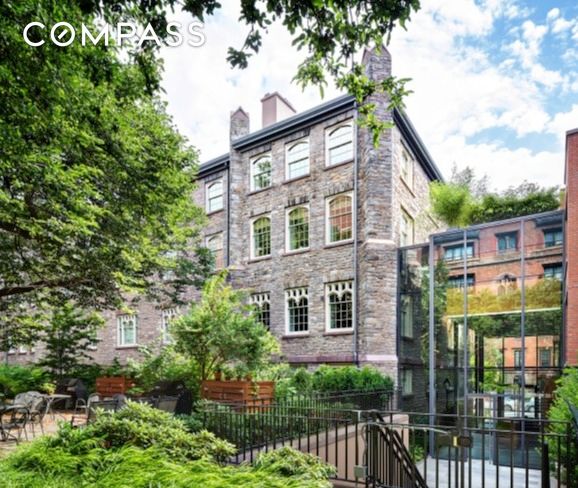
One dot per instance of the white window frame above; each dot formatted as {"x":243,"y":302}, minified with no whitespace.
{"x":252,"y":236}
{"x":12,"y":350}
{"x":288,"y":148}
{"x":298,"y":292}
{"x":328,"y":201}
{"x":344,"y":286}
{"x":253,"y":162}
{"x":330,"y":130}
{"x":209,"y":238}
{"x":259,"y":299}
{"x":406,"y":158}
{"x":405,"y":213}
{"x":406,"y":377}
{"x":167,"y":316}
{"x":208,"y":187}
{"x":287,"y":235}
{"x":22,"y":350}
{"x":120,"y":330}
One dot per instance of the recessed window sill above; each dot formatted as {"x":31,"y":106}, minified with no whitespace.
{"x":337,"y":165}
{"x":407,"y":338}
{"x":131,"y":346}
{"x":214,"y":212}
{"x":295,"y":335}
{"x":296,"y":251}
{"x":407,"y":396}
{"x":346,"y":242}
{"x":338,"y":332}
{"x":260,"y":190}
{"x":407,"y":185}
{"x":260,"y":258}
{"x":297,"y":178}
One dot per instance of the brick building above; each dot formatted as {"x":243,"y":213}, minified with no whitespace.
{"x":571,"y":247}
{"x":308,"y":215}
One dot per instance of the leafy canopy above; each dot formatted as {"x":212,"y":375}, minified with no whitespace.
{"x":221,"y":329}
{"x":95,"y":182}
{"x":465,"y":200}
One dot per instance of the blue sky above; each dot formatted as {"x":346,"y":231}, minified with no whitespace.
{"x":495,"y":83}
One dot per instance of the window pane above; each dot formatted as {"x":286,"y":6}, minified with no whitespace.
{"x":298,"y":160}
{"x":297,"y":310}
{"x":340,"y":219}
{"x":262,"y":237}
{"x":340,"y":305}
{"x":215,"y":197}
{"x":215,"y":245}
{"x":261,"y":173}
{"x":340,"y":144}
{"x":298,"y":228}
{"x":261,"y":303}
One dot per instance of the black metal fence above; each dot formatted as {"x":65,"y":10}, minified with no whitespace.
{"x":382,"y":448}
{"x":469,"y":451}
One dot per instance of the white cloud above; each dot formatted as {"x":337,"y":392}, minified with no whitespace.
{"x":459,"y":90}
{"x":553,"y":14}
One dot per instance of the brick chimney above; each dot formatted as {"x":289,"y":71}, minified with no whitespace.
{"x":239,"y":124}
{"x":275,"y":108}
{"x":571,"y":181}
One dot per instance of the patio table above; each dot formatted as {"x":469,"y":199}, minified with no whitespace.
{"x":54,"y":398}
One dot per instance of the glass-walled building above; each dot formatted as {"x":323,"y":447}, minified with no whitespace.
{"x":481,"y":318}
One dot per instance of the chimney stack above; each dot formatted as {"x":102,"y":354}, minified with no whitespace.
{"x":239,"y":124}
{"x":275,"y":108}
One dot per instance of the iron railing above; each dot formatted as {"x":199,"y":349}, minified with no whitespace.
{"x":401,"y":449}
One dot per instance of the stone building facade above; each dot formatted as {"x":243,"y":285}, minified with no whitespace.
{"x":308,"y":214}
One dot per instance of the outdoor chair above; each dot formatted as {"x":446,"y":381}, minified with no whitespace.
{"x":83,"y":404}
{"x":167,"y":404}
{"x":37,"y":408}
{"x":13,"y":419}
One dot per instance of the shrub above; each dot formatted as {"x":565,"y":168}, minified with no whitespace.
{"x":18,"y":379}
{"x":289,"y":462}
{"x":138,"y":468}
{"x":566,"y":391}
{"x":142,"y":426}
{"x":332,"y":379}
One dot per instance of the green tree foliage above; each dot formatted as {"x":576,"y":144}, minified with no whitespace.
{"x":16,"y":379}
{"x":67,"y":337}
{"x":221,"y":329}
{"x":465,"y":200}
{"x":166,"y":365}
{"x":95,"y":182}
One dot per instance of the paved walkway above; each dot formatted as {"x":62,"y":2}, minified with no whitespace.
{"x":50,"y":427}
{"x":506,"y":477}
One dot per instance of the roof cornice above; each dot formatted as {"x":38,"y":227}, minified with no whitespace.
{"x":310,"y":117}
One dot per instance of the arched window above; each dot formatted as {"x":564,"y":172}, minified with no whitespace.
{"x":339,"y":144}
{"x":339,"y":305}
{"x":261,"y":232}
{"x":297,"y":158}
{"x":298,"y":228}
{"x":215,"y":245}
{"x":214,"y":196}
{"x":261,"y":172}
{"x":506,"y":284}
{"x":297,"y":304}
{"x":340,"y":218}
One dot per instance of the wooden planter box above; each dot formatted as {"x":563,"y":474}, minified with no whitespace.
{"x":243,"y":391}
{"x":113,"y":385}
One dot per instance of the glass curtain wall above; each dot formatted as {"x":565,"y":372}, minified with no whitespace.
{"x":496,"y":318}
